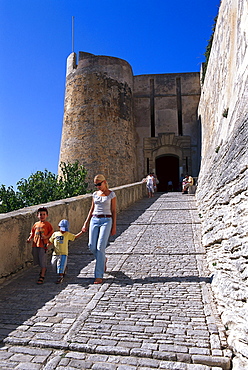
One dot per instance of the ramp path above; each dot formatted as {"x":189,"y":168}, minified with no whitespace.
{"x":155,"y":309}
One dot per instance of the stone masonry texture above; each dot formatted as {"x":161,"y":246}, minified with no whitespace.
{"x":164,"y":93}
{"x":15,"y":226}
{"x":222,"y":191}
{"x":112,"y":117}
{"x":155,"y":309}
{"x":175,"y":294}
{"x":98,"y":128}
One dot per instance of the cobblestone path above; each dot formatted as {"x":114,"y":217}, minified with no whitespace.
{"x":154,"y":311}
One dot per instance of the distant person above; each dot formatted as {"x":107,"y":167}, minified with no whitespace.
{"x":170,"y":185}
{"x":101,"y":221}
{"x":191,"y":188}
{"x":60,"y":240}
{"x":40,"y":233}
{"x":184,"y":185}
{"x":156,"y":181}
{"x":150,"y":183}
{"x":187,"y":182}
{"x":181,"y":182}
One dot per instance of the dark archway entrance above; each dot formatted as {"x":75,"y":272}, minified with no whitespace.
{"x":167,"y":169}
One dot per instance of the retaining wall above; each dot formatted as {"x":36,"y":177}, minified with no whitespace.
{"x":15,"y":226}
{"x":222,"y":187}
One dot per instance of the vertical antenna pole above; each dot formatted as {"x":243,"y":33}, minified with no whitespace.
{"x":72,"y":34}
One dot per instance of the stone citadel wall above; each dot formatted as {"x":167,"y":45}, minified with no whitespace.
{"x":98,"y":128}
{"x":119,"y":124}
{"x":166,"y":122}
{"x":222,"y":191}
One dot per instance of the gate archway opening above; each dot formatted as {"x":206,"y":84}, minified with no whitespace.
{"x":167,"y":169}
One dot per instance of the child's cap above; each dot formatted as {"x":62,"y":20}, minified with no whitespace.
{"x":64,"y":225}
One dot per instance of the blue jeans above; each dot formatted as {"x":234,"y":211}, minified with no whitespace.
{"x":99,"y":232}
{"x":59,"y":263}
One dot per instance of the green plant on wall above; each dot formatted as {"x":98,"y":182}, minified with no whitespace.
{"x":225,"y":112}
{"x":208,"y":51}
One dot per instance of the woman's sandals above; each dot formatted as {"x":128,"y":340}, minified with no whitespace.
{"x":40,"y":280}
{"x":98,"y":281}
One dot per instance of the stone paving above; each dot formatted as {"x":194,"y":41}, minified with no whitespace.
{"x":155,"y":309}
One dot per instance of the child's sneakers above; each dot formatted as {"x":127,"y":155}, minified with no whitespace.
{"x":60,"y":279}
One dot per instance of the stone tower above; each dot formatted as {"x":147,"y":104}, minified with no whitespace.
{"x":98,"y":128}
{"x":125,"y":126}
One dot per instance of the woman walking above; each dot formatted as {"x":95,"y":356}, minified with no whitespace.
{"x":101,"y":221}
{"x":150,"y":184}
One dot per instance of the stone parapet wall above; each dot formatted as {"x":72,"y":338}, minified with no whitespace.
{"x":15,"y":226}
{"x":222,"y":186}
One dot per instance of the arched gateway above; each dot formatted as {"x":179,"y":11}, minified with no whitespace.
{"x":168,"y":156}
{"x":167,"y":169}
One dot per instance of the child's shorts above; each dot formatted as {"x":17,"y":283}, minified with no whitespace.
{"x":59,"y":263}
{"x":39,"y":256}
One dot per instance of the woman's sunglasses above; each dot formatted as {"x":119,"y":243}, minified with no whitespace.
{"x":99,"y":183}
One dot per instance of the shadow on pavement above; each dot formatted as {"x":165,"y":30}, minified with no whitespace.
{"x":122,"y":279}
{"x":21,"y":297}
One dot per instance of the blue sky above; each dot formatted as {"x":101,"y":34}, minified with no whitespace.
{"x":154,"y":36}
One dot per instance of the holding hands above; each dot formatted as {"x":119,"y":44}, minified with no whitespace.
{"x":85,"y":227}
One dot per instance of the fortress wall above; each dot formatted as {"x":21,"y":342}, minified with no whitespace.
{"x":15,"y":226}
{"x":98,"y":128}
{"x":222,"y":191}
{"x":156,"y":98}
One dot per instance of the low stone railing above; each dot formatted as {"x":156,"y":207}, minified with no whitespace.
{"x":15,"y":226}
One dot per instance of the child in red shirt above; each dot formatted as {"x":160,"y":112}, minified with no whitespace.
{"x":40,"y":233}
